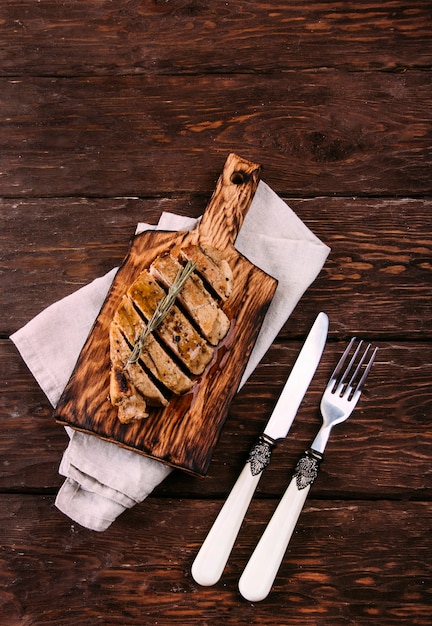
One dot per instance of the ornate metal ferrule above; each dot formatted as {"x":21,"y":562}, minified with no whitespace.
{"x":307,"y":468}
{"x":260,"y":455}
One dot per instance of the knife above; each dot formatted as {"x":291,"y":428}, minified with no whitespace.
{"x":211,"y":559}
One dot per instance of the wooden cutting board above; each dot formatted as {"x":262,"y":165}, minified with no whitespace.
{"x":184,"y":433}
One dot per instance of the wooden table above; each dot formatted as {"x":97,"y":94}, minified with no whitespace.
{"x":112,"y":112}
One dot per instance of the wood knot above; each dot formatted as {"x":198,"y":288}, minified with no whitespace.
{"x":240,"y":178}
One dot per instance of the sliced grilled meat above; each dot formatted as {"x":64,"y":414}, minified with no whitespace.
{"x":212,"y":266}
{"x":130,"y":387}
{"x":154,"y":357}
{"x":201,"y":306}
{"x":180,"y":347}
{"x":175,"y":330}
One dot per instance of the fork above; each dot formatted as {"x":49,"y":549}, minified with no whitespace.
{"x":338,"y":402}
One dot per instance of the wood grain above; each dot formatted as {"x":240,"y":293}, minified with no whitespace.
{"x":383,"y":451}
{"x":379,"y":260}
{"x":182,"y":434}
{"x":361,"y":133}
{"x":123,"y":575}
{"x":247,"y":36}
{"x":112,"y":112}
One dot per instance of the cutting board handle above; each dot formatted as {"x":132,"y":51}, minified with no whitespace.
{"x":230,"y":202}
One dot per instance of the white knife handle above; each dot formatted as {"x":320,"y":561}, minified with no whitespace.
{"x":260,"y":572}
{"x":211,"y":559}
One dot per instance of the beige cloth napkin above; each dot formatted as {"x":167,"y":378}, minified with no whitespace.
{"x":102,"y":479}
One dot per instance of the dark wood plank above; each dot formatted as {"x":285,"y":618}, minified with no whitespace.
{"x":379,"y":263}
{"x":61,"y":240}
{"x":384,"y":450}
{"x":377,"y":279}
{"x":347,"y":564}
{"x":79,"y":37}
{"x":323,"y":133}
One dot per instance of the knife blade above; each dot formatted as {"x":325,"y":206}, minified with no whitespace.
{"x":211,"y":559}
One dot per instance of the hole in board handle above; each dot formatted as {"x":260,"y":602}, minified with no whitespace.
{"x":239,"y":177}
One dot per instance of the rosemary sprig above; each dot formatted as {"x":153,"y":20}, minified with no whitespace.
{"x":162,"y":309}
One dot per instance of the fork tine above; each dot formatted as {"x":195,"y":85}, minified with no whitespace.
{"x":341,"y":361}
{"x":367,"y":370}
{"x":349,"y":386}
{"x":350,"y":365}
{"x":353,"y":390}
{"x":359,"y":365}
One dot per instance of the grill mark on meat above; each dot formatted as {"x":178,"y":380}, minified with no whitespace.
{"x":180,"y":348}
{"x":175,"y":330}
{"x":212,"y":267}
{"x":166,"y":348}
{"x":196,"y":300}
{"x":130,"y":384}
{"x":153,"y":356}
{"x":133,"y":371}
{"x":122,"y":382}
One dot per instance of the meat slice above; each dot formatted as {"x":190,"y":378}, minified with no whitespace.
{"x":154,"y":357}
{"x":212,"y":266}
{"x":175,"y":330}
{"x":182,"y":344}
{"x":130,"y":387}
{"x":201,"y":306}
{"x":131,"y":406}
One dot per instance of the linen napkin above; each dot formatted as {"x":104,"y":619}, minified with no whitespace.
{"x":102,"y":479}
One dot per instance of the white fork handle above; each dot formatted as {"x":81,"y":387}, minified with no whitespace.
{"x":260,"y":572}
{"x":211,"y":559}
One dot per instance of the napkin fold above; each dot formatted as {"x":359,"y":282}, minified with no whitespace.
{"x":102,"y":479}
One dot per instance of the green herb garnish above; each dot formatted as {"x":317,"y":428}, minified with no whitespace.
{"x":162,"y":309}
